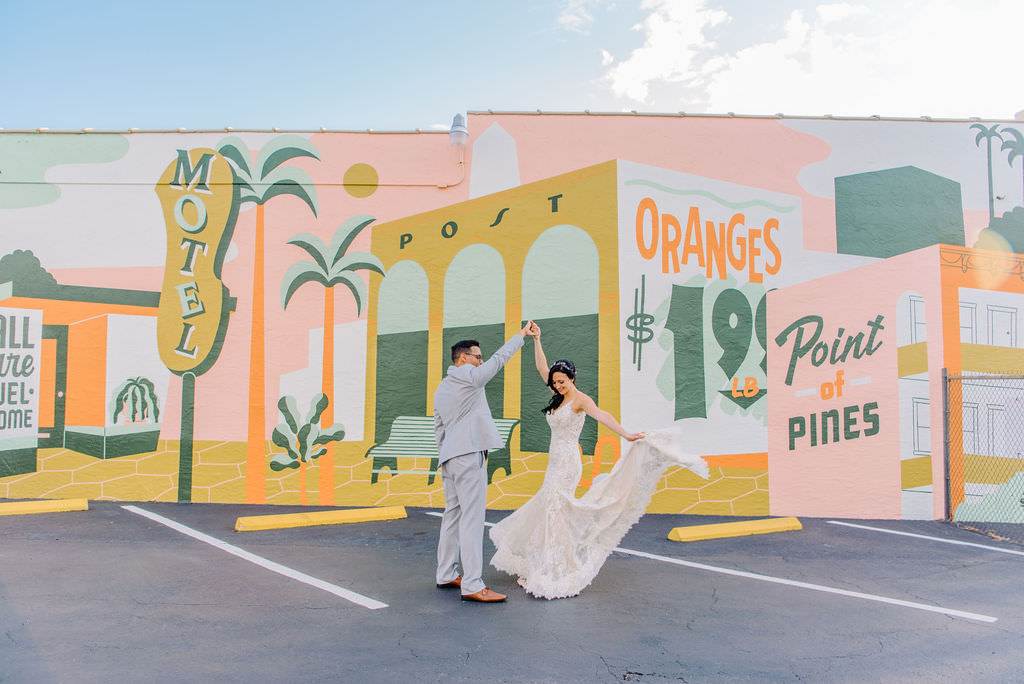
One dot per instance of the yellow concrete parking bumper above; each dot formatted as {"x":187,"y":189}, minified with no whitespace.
{"x":734,"y":529}
{"x":350,"y":515}
{"x":43,"y":506}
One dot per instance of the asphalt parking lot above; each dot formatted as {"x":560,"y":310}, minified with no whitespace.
{"x":170,"y":593}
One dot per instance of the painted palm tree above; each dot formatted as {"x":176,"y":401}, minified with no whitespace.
{"x":1015,"y":146}
{"x":986,"y":133}
{"x":260,"y":182}
{"x":137,"y":398}
{"x":302,"y":438}
{"x":331,"y":265}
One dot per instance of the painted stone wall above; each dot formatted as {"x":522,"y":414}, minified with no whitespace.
{"x":263,"y":316}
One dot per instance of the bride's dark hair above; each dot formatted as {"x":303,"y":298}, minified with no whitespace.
{"x":561,"y":366}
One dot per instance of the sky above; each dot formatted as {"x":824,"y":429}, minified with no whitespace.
{"x":406,"y":65}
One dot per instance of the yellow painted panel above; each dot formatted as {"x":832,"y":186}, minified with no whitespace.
{"x":915,"y":472}
{"x":989,"y":358}
{"x":74,"y":491}
{"x":213,"y":475}
{"x":734,"y":529}
{"x":351,"y":515}
{"x":508,"y":502}
{"x":672,"y":500}
{"x":990,"y":469}
{"x":288,"y":498}
{"x":159,"y":463}
{"x":219,"y":452}
{"x":62,"y":459}
{"x":230,"y":490}
{"x":912,"y":359}
{"x":419,"y":500}
{"x":38,"y":485}
{"x":102,"y":471}
{"x":683,"y":478}
{"x":727,"y":488}
{"x":754,"y":503}
{"x":710,"y":508}
{"x":138,"y":488}
{"x":45,"y":506}
{"x":408,"y":483}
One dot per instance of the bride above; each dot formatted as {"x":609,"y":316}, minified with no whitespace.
{"x":556,"y":543}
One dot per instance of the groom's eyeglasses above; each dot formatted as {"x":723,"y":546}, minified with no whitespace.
{"x":478,"y":357}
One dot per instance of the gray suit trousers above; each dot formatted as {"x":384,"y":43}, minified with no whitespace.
{"x":462,"y":525}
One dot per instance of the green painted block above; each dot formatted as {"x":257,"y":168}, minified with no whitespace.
{"x":17,"y":461}
{"x":490,"y":337}
{"x":574,"y":338}
{"x":885,"y":213}
{"x":401,"y":379}
{"x":1005,"y":504}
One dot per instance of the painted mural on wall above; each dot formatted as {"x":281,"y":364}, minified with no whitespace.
{"x":262,"y":317}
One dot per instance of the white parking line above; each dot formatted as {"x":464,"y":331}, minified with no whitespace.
{"x":352,"y":596}
{"x":922,"y":536}
{"x":815,"y":587}
{"x":802,"y":585}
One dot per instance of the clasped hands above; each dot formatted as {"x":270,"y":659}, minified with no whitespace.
{"x":531,"y":329}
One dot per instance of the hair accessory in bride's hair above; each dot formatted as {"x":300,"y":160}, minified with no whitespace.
{"x":564,"y":366}
{"x":560,"y":366}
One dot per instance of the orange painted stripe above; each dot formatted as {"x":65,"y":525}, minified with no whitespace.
{"x":59,"y":312}
{"x":256,"y":445}
{"x":749,"y":461}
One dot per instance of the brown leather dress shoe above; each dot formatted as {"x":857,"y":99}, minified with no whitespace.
{"x":457,"y":582}
{"x":485,"y":595}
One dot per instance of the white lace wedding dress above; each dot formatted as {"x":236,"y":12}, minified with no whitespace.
{"x":556,"y":543}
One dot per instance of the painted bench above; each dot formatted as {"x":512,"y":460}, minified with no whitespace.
{"x":412,"y":437}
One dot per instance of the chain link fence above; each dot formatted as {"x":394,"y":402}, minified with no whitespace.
{"x":984,"y":445}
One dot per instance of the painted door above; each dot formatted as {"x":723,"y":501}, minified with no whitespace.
{"x":53,"y":386}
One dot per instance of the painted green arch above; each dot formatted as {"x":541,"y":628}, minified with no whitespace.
{"x":402,"y":341}
{"x":560,"y":292}
{"x":474,"y":288}
{"x":403,"y":302}
{"x":474,"y":308}
{"x":560,"y":274}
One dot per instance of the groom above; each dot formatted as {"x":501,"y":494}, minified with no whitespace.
{"x":465,"y":430}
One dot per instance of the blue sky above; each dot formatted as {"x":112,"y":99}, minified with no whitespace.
{"x":397,"y":65}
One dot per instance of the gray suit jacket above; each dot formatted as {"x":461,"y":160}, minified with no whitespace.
{"x":462,"y":419}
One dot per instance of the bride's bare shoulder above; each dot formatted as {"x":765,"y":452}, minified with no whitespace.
{"x":581,"y":401}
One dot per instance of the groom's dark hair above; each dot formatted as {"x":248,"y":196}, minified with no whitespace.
{"x":463,"y":347}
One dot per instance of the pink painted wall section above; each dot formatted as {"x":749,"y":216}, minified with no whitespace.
{"x":762,"y":153}
{"x":810,"y":472}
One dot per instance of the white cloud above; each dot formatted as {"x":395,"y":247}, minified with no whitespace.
{"x":606,"y":58}
{"x":575,"y":16}
{"x":839,"y":11}
{"x":672,"y":50}
{"x":943,"y":59}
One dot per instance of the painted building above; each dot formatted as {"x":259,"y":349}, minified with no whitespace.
{"x":262,"y":316}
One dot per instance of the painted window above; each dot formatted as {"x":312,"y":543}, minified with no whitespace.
{"x":970,"y":428}
{"x":922,"y":427}
{"x":918,"y":329}
{"x":997,"y":430}
{"x":968,"y":323}
{"x":1002,"y":326}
